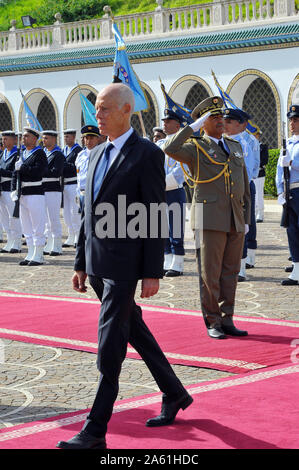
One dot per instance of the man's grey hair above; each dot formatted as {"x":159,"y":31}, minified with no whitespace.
{"x":122,"y":93}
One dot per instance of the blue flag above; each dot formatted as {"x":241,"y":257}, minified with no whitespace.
{"x":182,"y":111}
{"x":88,"y":110}
{"x":32,"y":121}
{"x":228,"y":102}
{"x":124,"y":73}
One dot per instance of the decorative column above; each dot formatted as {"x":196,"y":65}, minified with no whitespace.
{"x":105,"y":25}
{"x":159,"y":18}
{"x":217,"y":13}
{"x":13,"y":40}
{"x":58,"y":37}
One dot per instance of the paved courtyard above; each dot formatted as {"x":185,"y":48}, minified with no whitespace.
{"x":41,"y":381}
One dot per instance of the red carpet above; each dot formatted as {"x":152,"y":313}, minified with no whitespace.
{"x":258,"y":410}
{"x":72,"y":323}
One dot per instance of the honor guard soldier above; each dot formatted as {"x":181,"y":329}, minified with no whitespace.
{"x":27,"y":188}
{"x":92,"y":138}
{"x":235,"y":123}
{"x":175,"y":193}
{"x":220,"y":209}
{"x":158,"y":134}
{"x":70,"y":208}
{"x":291,"y":161}
{"x":52,"y":187}
{"x":260,"y":180}
{"x":12,"y":226}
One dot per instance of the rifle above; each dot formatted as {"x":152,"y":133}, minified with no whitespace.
{"x":16,"y":211}
{"x":286,"y":180}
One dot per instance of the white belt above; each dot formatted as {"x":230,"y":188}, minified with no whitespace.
{"x":50,"y":180}
{"x":31,"y":183}
{"x":294,"y":185}
{"x":4,"y":179}
{"x":68,"y":180}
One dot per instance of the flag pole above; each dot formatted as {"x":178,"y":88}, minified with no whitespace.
{"x":141,"y":123}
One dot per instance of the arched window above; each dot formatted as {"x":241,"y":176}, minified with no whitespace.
{"x":46,"y":114}
{"x":149,"y":118}
{"x":5,"y":117}
{"x":259,"y":103}
{"x":195,"y":95}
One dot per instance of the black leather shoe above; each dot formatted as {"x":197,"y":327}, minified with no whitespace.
{"x":241,"y":278}
{"x":229,"y":328}
{"x":54,"y":253}
{"x":258,"y":221}
{"x":173,"y":273}
{"x":169,"y":411}
{"x":216,"y":333}
{"x":14,"y":250}
{"x":289,"y":282}
{"x":249,"y":266}
{"x":25,"y":262}
{"x":288,"y":269}
{"x":34,"y":263}
{"x":83,"y":440}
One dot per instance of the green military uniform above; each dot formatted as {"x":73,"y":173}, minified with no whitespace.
{"x":220,"y":209}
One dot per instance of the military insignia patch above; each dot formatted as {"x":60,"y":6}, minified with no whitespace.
{"x":238,"y":155}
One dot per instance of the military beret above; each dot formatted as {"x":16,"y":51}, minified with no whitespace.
{"x":236,"y":114}
{"x":294,"y":111}
{"x":214,"y":104}
{"x":90,"y":130}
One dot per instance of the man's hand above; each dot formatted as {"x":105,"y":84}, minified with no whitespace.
{"x":246,"y":229}
{"x":195,"y":126}
{"x":18,"y":164}
{"x":284,"y":160}
{"x":78,"y":281}
{"x":149,"y":287}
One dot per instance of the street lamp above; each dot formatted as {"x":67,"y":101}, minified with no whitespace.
{"x":28,"y":20}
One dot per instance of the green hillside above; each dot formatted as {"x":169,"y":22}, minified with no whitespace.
{"x":74,"y":10}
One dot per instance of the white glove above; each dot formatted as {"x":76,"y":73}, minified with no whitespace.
{"x":195,"y":126}
{"x":246,"y":228}
{"x":284,"y":160}
{"x":14,"y":196}
{"x":281,"y":199}
{"x":171,"y":182}
{"x":18,"y":164}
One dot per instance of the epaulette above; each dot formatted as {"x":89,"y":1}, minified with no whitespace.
{"x":229,"y":138}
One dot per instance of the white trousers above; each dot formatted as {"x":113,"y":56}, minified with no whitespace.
{"x":71,"y":215}
{"x":53,"y":225}
{"x":11,"y":225}
{"x":33,"y":219}
{"x":259,"y":197}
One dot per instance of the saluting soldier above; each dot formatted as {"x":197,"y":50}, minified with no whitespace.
{"x":291,"y":161}
{"x":70,"y":208}
{"x":52,"y":187}
{"x":12,"y":226}
{"x":220,"y":209}
{"x":31,"y":168}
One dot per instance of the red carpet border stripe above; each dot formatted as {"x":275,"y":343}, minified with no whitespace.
{"x":212,"y":360}
{"x":119,"y":407}
{"x":150,"y":308}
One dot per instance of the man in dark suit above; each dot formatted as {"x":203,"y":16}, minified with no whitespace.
{"x":130,"y":168}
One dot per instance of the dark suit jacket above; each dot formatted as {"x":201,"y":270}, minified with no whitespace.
{"x":137,"y":176}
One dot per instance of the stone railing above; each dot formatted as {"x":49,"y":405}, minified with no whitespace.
{"x":161,"y":23}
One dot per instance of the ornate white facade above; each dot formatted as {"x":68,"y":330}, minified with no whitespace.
{"x":250,"y":48}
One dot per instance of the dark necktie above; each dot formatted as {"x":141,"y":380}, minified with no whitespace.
{"x":220,"y":143}
{"x":101,"y":170}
